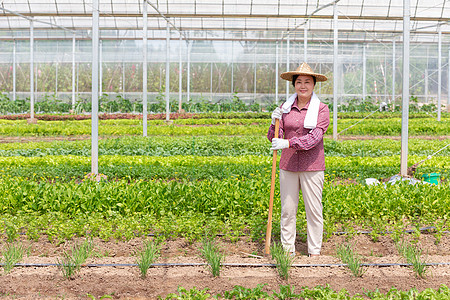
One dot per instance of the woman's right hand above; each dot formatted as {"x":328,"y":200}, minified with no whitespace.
{"x":276,"y":114}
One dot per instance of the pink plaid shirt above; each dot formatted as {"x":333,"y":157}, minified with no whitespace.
{"x":305,"y":152}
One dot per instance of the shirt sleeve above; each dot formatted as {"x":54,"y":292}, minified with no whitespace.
{"x":315,"y":135}
{"x":271,"y":132}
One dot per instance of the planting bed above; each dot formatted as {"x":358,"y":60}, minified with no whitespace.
{"x":125,"y":281}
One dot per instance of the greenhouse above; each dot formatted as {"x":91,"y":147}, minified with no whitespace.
{"x":135,"y":135}
{"x":210,"y":51}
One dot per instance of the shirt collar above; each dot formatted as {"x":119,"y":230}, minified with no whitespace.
{"x":296,"y":106}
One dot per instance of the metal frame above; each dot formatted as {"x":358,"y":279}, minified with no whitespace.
{"x":95,"y":87}
{"x":405,"y":93}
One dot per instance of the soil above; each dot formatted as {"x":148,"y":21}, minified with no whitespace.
{"x":28,"y":139}
{"x":124,"y":282}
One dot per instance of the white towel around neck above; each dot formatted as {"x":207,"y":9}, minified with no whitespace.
{"x":311,"y":114}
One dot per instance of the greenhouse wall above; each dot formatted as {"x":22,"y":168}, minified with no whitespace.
{"x":221,"y":70}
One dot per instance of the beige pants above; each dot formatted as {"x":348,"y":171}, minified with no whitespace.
{"x":311,"y":185}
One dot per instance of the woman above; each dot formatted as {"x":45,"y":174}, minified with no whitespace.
{"x":303,"y":122}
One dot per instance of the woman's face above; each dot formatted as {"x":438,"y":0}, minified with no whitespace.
{"x":304,"y":86}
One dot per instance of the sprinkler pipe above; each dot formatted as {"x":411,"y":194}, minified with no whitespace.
{"x":238,"y":265}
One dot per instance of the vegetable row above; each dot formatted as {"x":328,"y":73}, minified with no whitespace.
{"x":217,"y":146}
{"x":226,"y":197}
{"x":425,"y":126}
{"x":208,"y":167}
{"x":242,"y":203}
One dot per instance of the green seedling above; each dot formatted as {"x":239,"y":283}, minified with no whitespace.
{"x":11,"y":256}
{"x":211,"y":252}
{"x":67,"y":265}
{"x":240,"y":292}
{"x":350,"y":257}
{"x":439,"y":230}
{"x":70,"y":263}
{"x":413,"y":256}
{"x":325,"y":292}
{"x":283,"y":258}
{"x":102,"y":297}
{"x":286,"y":292}
{"x":191,"y":294}
{"x":147,"y":257}
{"x":11,"y":232}
{"x":82,"y":252}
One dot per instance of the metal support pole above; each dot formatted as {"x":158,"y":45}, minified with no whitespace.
{"x":36,"y":83}
{"x":439,"y":73}
{"x":426,"y":78}
{"x":123,"y":71}
{"x":180,"y":76}
{"x":305,"y":43}
{"x":393,"y":73}
{"x":73,"y":71}
{"x":232,"y":67}
{"x":276,"y":73}
{"x":31,"y":71}
{"x":405,"y":92}
{"x":160,"y":78}
{"x":287,"y":66}
{"x":384,"y":77}
{"x":100,"y":66}
{"x":188,"y":69}
{"x":211,"y":81}
{"x":123,"y":75}
{"x":320,"y":70}
{"x":448,"y":84}
{"x":167,"y":71}
{"x":254,"y":74}
{"x":78,"y":77}
{"x":335,"y":69}
{"x":426,"y":84}
{"x":95,"y":87}
{"x":364,"y":85}
{"x":144,"y":69}
{"x":14,"y":71}
{"x":56,"y":71}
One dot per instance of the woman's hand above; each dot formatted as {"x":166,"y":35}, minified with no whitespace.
{"x":278,"y":144}
{"x":276,"y":114}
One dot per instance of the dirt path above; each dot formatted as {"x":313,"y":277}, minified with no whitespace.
{"x":28,"y":139}
{"x":125,"y":282}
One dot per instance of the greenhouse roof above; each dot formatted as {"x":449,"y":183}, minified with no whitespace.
{"x":359,"y":20}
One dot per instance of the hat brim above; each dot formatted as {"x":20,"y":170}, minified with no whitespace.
{"x":290,"y":75}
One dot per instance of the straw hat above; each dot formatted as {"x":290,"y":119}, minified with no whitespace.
{"x":304,"y":69}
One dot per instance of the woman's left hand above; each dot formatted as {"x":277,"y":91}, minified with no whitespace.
{"x":278,"y":144}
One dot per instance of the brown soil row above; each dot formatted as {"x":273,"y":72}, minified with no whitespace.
{"x":125,"y":282}
{"x":28,"y":139}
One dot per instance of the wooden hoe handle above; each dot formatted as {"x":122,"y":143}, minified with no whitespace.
{"x":272,"y":192}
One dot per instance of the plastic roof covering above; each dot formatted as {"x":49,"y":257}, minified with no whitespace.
{"x":359,"y":20}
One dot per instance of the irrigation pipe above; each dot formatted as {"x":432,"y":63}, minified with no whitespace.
{"x":414,"y":167}
{"x":386,"y":232}
{"x":238,"y":265}
{"x":333,"y":233}
{"x":346,"y":232}
{"x":358,"y":121}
